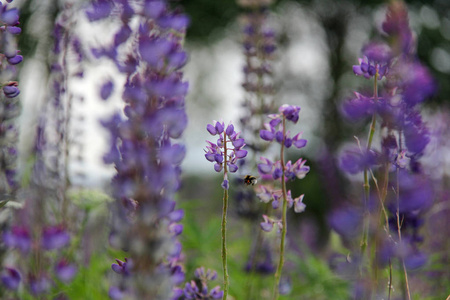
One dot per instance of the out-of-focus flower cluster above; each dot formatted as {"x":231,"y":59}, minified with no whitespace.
{"x":37,"y":239}
{"x":276,"y":130}
{"x":48,"y":244}
{"x":198,"y":289}
{"x":9,"y":104}
{"x":259,"y":45}
{"x":401,"y":84}
{"x":148,"y":50}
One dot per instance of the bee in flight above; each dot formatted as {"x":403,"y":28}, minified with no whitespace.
{"x":250,"y":180}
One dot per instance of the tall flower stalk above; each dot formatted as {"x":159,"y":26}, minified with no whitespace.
{"x":281,"y":171}
{"x":225,"y":158}
{"x":404,"y":137}
{"x":9,"y":103}
{"x":40,"y":233}
{"x":258,"y":45}
{"x":148,"y":50}
{"x":259,"y":51}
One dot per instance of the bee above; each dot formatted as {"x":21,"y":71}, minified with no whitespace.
{"x":250,"y":180}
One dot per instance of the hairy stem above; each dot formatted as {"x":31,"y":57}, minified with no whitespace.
{"x":399,"y":226}
{"x":366,"y":174}
{"x":390,"y":280}
{"x":224,"y":222}
{"x":254,"y":257}
{"x":283,"y":219}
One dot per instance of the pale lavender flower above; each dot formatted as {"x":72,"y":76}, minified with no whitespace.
{"x":229,"y":143}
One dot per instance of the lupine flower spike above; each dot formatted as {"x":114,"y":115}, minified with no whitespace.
{"x":225,"y":153}
{"x":404,"y":137}
{"x":281,"y":171}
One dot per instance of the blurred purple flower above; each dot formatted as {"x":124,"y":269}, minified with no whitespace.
{"x":39,"y":285}
{"x":55,"y":237}
{"x":65,"y":271}
{"x":396,"y":25}
{"x":106,"y":89}
{"x":9,"y":16}
{"x":416,"y":192}
{"x":18,"y":237}
{"x":267,"y":225}
{"x":121,"y":267}
{"x":359,"y":107}
{"x":11,"y":278}
{"x":353,"y":161}
{"x":99,"y":10}
{"x":11,"y":91}
{"x":346,"y":221}
{"x":15,"y":59}
{"x":199,"y":289}
{"x":116,"y":293}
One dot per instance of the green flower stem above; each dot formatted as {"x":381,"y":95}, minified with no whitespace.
{"x":224,"y":221}
{"x":259,"y":240}
{"x":283,"y":219}
{"x":366,"y":171}
{"x":399,"y":226}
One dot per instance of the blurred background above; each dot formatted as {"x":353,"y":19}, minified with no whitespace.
{"x":317,"y":44}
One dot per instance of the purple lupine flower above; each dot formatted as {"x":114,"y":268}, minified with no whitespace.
{"x":11,"y":91}
{"x":16,"y":59}
{"x":18,"y":237}
{"x":39,"y":285}
{"x":346,"y":221}
{"x":299,"y":206}
{"x":415,"y":260}
{"x":116,"y":293}
{"x":203,"y":275}
{"x":273,"y":129}
{"x":376,"y":60}
{"x":261,"y":260}
{"x":143,"y":147}
{"x":11,"y":278}
{"x":267,"y":225}
{"x":106,"y":89}
{"x":176,"y":229}
{"x":215,"y":152}
{"x":216,"y":293}
{"x":353,"y":161}
{"x":404,"y":139}
{"x":265,"y":195}
{"x":65,"y":271}
{"x":122,"y":267}
{"x":100,"y":9}
{"x":14,"y":29}
{"x":282,"y":171}
{"x":225,"y":184}
{"x":396,"y":25}
{"x":199,"y":290}
{"x":275,"y":170}
{"x":55,"y":237}
{"x":416,"y":192}
{"x":9,"y":16}
{"x":290,"y":112}
{"x":266,"y":167}
{"x":359,"y":107}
